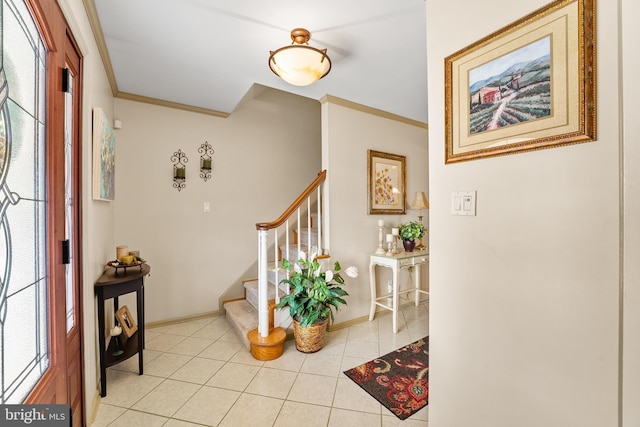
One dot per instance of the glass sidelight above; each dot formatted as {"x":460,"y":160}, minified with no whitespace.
{"x":23,"y":210}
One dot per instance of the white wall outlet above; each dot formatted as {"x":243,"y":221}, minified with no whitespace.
{"x":463,"y":203}
{"x":206,"y":207}
{"x":390,"y":286}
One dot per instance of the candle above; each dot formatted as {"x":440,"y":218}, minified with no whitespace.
{"x":117,"y":330}
{"x":206,"y":163}
{"x":180,"y":172}
{"x":389,"y":238}
{"x":395,"y":231}
{"x":381,"y":223}
{"x":121,"y":251}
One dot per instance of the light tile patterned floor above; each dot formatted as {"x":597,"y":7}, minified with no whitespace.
{"x":199,"y":374}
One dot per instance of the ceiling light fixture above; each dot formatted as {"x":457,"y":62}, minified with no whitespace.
{"x":300,"y":64}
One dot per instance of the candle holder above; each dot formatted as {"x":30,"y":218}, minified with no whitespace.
{"x":380,"y":250}
{"x":179,"y":160}
{"x":115,"y":333}
{"x":390,"y":239}
{"x":206,"y":151}
{"x":395,"y":232}
{"x":118,"y":351}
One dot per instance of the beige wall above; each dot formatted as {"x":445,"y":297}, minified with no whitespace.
{"x":347,"y":134}
{"x":265,"y":155}
{"x":525,"y":295}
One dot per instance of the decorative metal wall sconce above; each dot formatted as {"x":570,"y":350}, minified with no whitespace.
{"x":179,"y":160}
{"x":206,"y":151}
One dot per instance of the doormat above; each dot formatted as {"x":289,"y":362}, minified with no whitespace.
{"x":398,"y":380}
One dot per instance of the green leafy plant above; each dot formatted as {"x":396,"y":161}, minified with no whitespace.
{"x":411,"y":231}
{"x":314,"y":293}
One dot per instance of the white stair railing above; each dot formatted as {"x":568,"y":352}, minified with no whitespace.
{"x":272,"y":232}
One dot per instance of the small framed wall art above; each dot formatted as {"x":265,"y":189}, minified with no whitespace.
{"x":387,"y":183}
{"x":104,"y":158}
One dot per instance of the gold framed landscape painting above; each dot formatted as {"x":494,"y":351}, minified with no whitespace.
{"x":387,"y":181}
{"x":528,"y":86}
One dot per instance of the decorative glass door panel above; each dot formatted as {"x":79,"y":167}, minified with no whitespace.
{"x":68,"y":202}
{"x":23,"y":205}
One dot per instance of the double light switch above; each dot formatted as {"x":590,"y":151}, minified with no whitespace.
{"x":463,"y":203}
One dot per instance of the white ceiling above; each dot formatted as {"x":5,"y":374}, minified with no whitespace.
{"x":208,"y":53}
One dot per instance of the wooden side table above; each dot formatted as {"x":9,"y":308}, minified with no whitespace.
{"x":108,"y":286}
{"x":395,"y":263}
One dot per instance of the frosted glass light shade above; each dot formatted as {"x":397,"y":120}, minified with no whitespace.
{"x":300,"y":64}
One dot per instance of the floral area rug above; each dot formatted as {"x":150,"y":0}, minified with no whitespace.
{"x":398,"y":380}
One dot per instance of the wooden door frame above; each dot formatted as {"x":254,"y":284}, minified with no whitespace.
{"x":75,"y":338}
{"x":57,"y":37}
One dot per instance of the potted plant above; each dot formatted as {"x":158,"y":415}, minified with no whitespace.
{"x":313,"y":296}
{"x":408,"y":233}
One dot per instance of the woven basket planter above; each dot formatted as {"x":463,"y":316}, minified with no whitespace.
{"x":311,"y":338}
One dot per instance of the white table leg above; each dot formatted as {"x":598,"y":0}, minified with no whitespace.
{"x":372,"y":282}
{"x":417,"y":284}
{"x":395,"y":298}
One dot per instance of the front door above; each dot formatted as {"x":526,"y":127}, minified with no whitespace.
{"x":40,"y":287}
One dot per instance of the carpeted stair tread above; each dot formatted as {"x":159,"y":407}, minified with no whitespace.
{"x":244,"y":317}
{"x":251,"y":288}
{"x":293,"y":253}
{"x":307,"y":234}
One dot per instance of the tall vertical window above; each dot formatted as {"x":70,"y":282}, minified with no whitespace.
{"x":23,"y":240}
{"x":68,"y":200}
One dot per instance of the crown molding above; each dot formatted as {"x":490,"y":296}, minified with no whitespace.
{"x":170,"y":104}
{"x":98,"y":35}
{"x":370,"y":110}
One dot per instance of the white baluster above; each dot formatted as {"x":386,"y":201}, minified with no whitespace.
{"x":263,"y":308}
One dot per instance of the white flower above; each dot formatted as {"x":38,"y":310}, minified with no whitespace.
{"x":117,"y":330}
{"x":352,"y":271}
{"x":328,"y":276}
{"x":297,"y":268}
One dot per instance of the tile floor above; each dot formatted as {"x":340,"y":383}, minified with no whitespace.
{"x":199,"y":374}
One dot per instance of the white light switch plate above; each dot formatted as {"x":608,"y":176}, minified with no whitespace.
{"x":463,"y":203}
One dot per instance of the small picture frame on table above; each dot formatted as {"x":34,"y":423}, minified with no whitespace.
{"x":126,"y":321}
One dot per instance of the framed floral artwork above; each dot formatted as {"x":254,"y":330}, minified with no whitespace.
{"x":530,"y":85}
{"x":387,"y":183}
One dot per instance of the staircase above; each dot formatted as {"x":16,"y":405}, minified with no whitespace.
{"x":261,"y":328}
{"x":242,"y":314}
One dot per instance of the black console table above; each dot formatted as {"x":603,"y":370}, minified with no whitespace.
{"x":112,"y":284}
